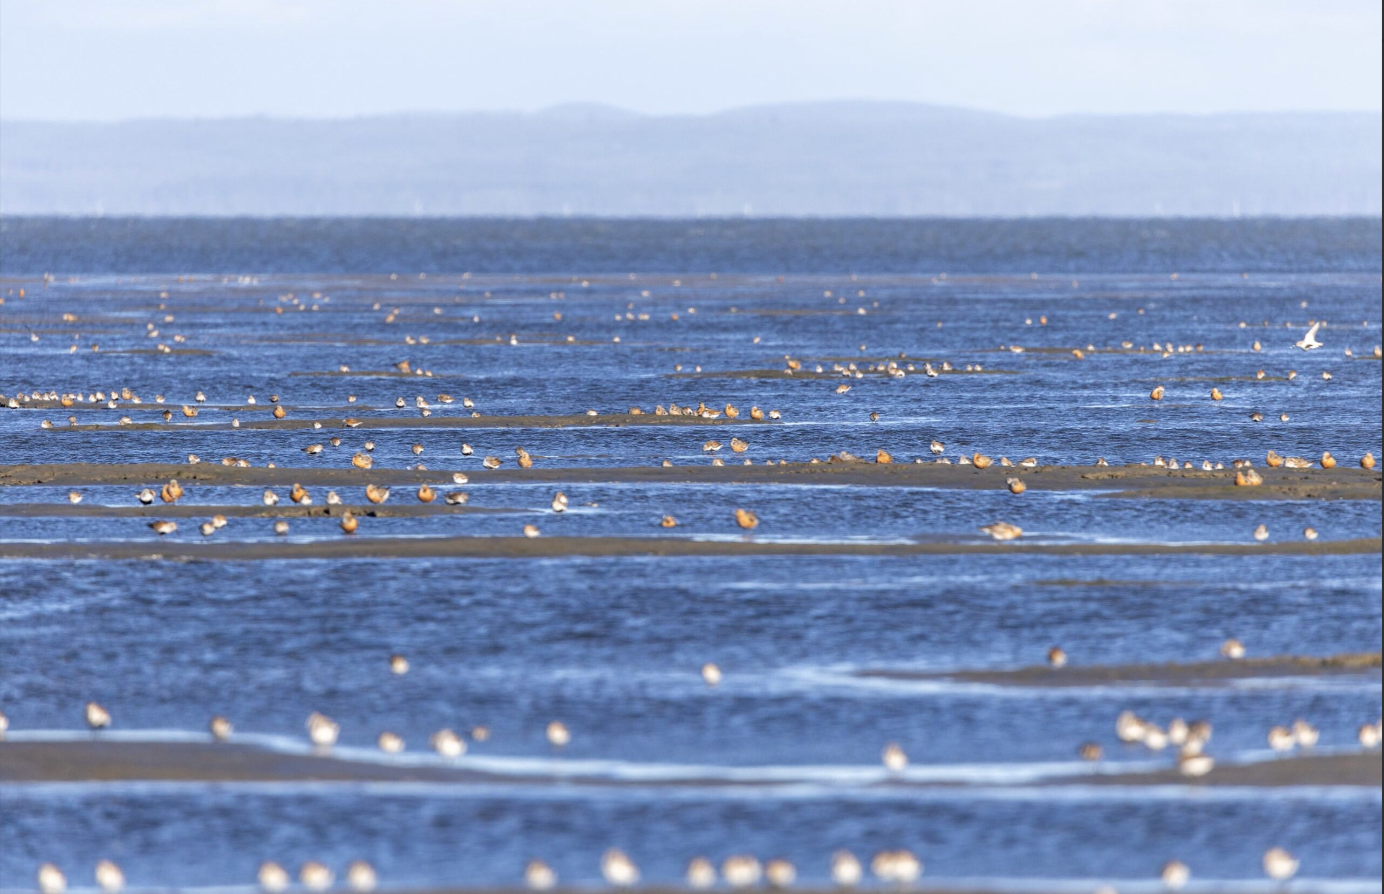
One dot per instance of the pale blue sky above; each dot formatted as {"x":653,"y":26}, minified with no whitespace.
{"x":112,"y":59}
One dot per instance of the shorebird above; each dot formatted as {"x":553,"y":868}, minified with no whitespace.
{"x":51,"y":880}
{"x":1003,"y":531}
{"x":559,"y":503}
{"x":1309,"y":533}
{"x":281,"y":527}
{"x":362,"y":460}
{"x":270,"y":498}
{"x":272,"y":877}
{"x":1261,"y":533}
{"x":896,"y":866}
{"x":1090,"y":751}
{"x":376,"y":494}
{"x":746,"y":519}
{"x":1368,"y":735}
{"x":1305,"y":734}
{"x":531,"y":531}
{"x":447,"y":743}
{"x":333,"y":499}
{"x":299,"y":494}
{"x":426,"y":494}
{"x":780,"y":873}
{"x":1157,"y":393}
{"x":701,"y":874}
{"x":845,"y":869}
{"x":145,"y":496}
{"x":109,"y":877}
{"x":1233,"y":649}
{"x":390,"y":743}
{"x":315,"y":876}
{"x":313,"y":449}
{"x":1328,"y":461}
{"x":619,"y":870}
{"x":740,"y":871}
{"x":163,"y":527}
{"x":558,"y":734}
{"x":220,"y":728}
{"x":1281,"y":739}
{"x":97,"y":717}
{"x":1280,"y":865}
{"x":936,"y":447}
{"x":711,"y":674}
{"x":1129,"y":727}
{"x":1016,"y":485}
{"x":1367,"y":461}
{"x":171,"y":491}
{"x":322,"y":731}
{"x":668,"y":522}
{"x":539,"y":876}
{"x":455,"y":497}
{"x":1194,"y":764}
{"x":1057,"y":657}
{"x":1248,"y":478}
{"x":980,"y":461}
{"x":894,"y":758}
{"x":4,"y":725}
{"x":361,"y":877}
{"x":491,"y":462}
{"x":1309,"y":341}
{"x":1175,"y":874}
{"x":459,"y":478}
{"x":398,"y":665}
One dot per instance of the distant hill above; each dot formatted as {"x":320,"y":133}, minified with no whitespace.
{"x":828,"y":159}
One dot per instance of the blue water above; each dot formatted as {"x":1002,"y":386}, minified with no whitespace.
{"x":613,"y":646}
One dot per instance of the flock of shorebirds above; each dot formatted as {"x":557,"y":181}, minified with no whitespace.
{"x":740,"y":871}
{"x":899,"y":867}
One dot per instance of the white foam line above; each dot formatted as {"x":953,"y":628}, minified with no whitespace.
{"x":849,"y":679}
{"x":806,"y":780}
{"x":627,"y":771}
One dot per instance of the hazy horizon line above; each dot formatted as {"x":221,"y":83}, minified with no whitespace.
{"x":614,"y":110}
{"x":669,"y":218}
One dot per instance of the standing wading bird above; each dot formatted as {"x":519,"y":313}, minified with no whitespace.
{"x":97,"y":717}
{"x":109,"y":878}
{"x":618,"y":869}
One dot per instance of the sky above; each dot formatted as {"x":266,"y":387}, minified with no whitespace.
{"x":118,"y":59}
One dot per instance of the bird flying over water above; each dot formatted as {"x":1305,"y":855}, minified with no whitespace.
{"x":1309,"y":341}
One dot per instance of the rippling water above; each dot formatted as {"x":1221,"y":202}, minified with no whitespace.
{"x":613,"y":645}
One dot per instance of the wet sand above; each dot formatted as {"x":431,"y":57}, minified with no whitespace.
{"x":1147,"y":482}
{"x":284,"y":509}
{"x":292,"y":422}
{"x":1169,"y":674}
{"x":98,"y":760}
{"x":360,"y":546}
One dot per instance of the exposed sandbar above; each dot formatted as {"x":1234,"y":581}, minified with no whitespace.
{"x":292,"y":422}
{"x":359,"y":546}
{"x":1147,"y":482}
{"x":399,"y":508}
{"x":99,"y":760}
{"x":1169,"y":674}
